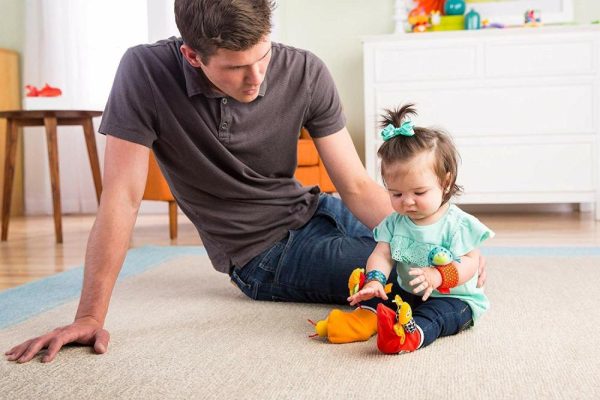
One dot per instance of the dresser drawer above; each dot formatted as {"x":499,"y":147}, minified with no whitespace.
{"x":410,"y":63}
{"x":550,"y":57}
{"x":526,"y":167}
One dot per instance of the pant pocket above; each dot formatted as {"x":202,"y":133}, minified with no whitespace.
{"x":258,"y":273}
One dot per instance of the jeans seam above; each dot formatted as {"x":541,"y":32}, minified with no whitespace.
{"x":282,"y":256}
{"x":262,"y":262}
{"x":469,"y":322}
{"x":466,"y":325}
{"x":256,"y":285}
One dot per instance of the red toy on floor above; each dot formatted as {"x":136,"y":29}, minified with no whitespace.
{"x":397,"y":332}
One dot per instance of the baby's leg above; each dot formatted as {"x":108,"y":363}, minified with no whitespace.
{"x":442,"y":316}
{"x":421,"y":326}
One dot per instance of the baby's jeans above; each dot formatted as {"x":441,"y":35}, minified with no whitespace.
{"x":438,"y":316}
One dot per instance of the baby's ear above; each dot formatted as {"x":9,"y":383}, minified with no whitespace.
{"x":447,"y":182}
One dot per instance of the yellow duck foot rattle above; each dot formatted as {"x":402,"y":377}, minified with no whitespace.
{"x":397,"y":331}
{"x":347,"y":327}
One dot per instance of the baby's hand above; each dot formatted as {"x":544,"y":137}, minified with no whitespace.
{"x":426,"y":279}
{"x":370,"y":290}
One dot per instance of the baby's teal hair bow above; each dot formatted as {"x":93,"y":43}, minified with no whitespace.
{"x":390,"y":131}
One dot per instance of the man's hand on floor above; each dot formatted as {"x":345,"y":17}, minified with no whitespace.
{"x":85,"y":331}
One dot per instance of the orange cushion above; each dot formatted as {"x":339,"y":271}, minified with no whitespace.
{"x":156,"y":184}
{"x":310,"y":170}
{"x":307,"y":153}
{"x":325,"y":181}
{"x":308,"y":176}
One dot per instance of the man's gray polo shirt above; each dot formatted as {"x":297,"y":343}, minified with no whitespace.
{"x":230,"y":165}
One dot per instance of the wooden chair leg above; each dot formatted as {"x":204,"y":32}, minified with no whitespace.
{"x":9,"y":174}
{"x":50,"y":124}
{"x":173,"y":219}
{"x":90,"y":141}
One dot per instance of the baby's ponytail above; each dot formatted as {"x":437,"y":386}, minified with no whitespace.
{"x":403,"y":141}
{"x":397,"y":116}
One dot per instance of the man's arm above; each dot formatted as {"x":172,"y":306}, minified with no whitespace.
{"x":367,"y":200}
{"x":125,"y":172}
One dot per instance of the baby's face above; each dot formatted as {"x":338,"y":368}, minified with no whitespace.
{"x":414,"y":188}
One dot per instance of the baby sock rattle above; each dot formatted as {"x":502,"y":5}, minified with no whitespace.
{"x":397,"y":332}
{"x":348,"y":327}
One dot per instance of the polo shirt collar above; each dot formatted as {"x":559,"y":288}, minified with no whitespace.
{"x":197,"y":83}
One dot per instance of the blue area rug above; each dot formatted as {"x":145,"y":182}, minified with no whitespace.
{"x":23,"y":302}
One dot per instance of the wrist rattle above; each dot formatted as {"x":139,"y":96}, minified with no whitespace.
{"x":449,"y":277}
{"x":376,"y":275}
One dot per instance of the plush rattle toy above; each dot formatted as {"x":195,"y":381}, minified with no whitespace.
{"x":397,"y":332}
{"x":441,"y":257}
{"x":340,"y":327}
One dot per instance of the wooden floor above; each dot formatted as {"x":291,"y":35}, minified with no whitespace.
{"x":31,"y":252}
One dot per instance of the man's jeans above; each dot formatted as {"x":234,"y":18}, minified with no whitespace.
{"x":313,"y":263}
{"x":438,"y":316}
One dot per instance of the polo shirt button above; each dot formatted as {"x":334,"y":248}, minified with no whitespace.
{"x":224,"y":125}
{"x":224,"y":101}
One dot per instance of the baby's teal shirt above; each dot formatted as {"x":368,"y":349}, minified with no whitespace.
{"x":410,"y":245}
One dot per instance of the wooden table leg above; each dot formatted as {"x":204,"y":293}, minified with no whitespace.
{"x":90,"y":140}
{"x":173,"y":219}
{"x":9,"y":173}
{"x":50,"y":124}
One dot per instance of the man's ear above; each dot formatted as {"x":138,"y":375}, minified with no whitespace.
{"x":191,"y":55}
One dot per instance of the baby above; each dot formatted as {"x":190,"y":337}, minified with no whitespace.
{"x":432,"y":243}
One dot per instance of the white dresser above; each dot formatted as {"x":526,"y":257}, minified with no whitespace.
{"x":522,"y":104}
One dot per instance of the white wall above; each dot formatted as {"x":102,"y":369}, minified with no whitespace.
{"x":70,"y":45}
{"x":161,"y":20}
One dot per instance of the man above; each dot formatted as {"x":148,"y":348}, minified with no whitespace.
{"x":222,"y":109}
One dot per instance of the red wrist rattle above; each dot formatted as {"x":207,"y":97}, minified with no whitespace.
{"x":449,"y":277}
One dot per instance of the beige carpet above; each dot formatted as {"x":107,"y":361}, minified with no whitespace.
{"x":182,"y":330}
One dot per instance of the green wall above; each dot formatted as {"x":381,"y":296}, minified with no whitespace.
{"x":586,"y":11}
{"x":332,"y":29}
{"x":12,"y":24}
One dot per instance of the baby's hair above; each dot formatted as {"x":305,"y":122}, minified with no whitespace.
{"x":403,"y":148}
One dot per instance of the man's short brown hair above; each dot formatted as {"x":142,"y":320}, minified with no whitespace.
{"x":209,"y":25}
